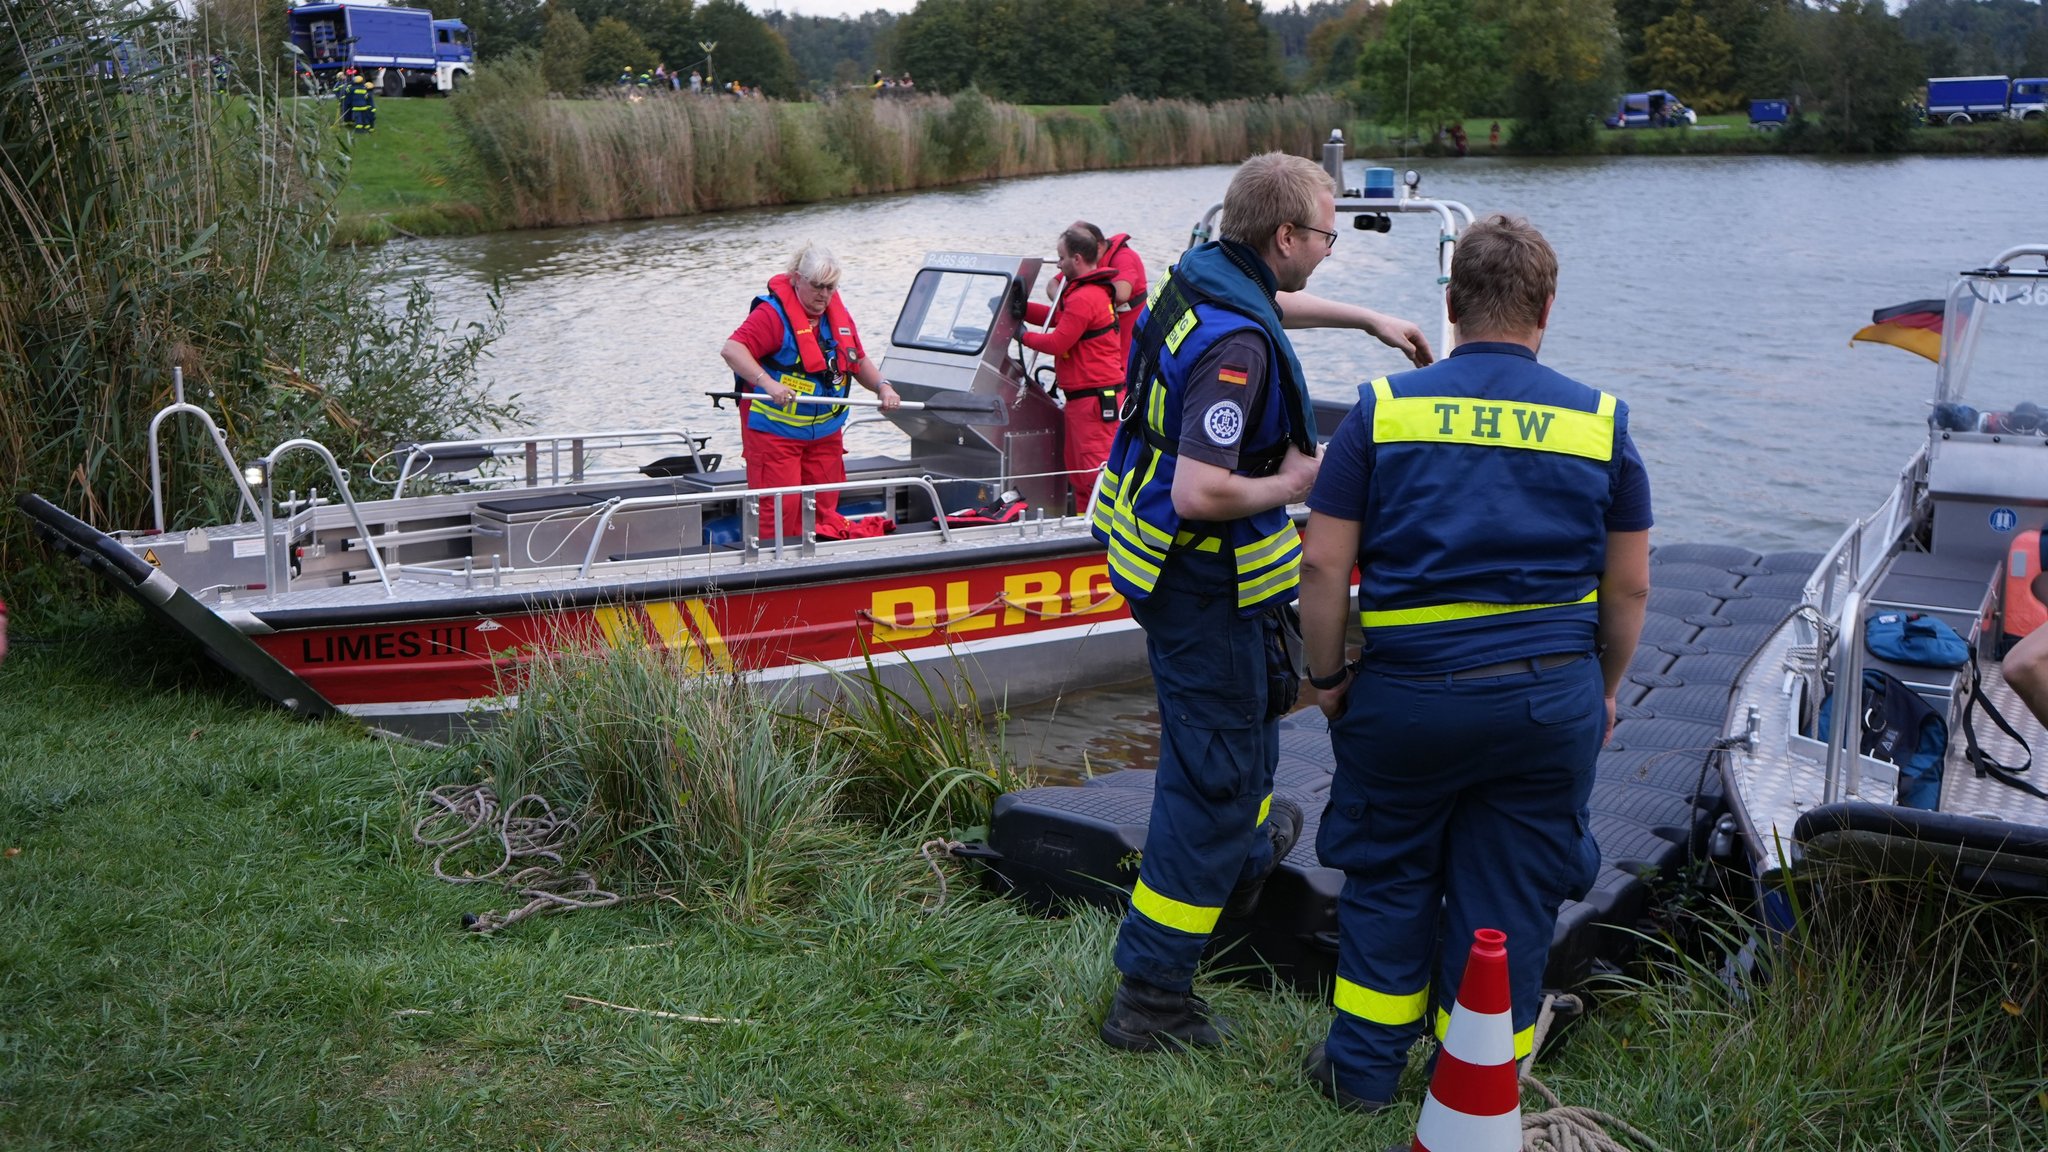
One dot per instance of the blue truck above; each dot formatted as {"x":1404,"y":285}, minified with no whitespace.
{"x":1962,"y":99}
{"x":402,"y":50}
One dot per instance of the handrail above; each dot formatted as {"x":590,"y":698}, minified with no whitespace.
{"x":1847,"y":730}
{"x":273,"y":559}
{"x":220,"y":442}
{"x":749,"y":501}
{"x":579,"y":442}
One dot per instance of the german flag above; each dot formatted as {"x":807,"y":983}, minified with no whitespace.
{"x":1916,"y":327}
{"x":1233,"y":373}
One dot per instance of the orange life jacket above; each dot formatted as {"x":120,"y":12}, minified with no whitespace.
{"x":805,"y":329}
{"x":2024,"y":611}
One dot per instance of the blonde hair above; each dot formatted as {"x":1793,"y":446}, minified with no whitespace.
{"x":1502,"y":273}
{"x":816,"y":264}
{"x":1269,"y":190}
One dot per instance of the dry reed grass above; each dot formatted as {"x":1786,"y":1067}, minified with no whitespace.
{"x":562,"y":162}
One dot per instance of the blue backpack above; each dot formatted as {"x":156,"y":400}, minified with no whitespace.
{"x":1916,"y":639}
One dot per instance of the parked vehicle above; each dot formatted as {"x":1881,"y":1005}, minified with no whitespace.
{"x":403,"y":50}
{"x":1963,"y":99}
{"x":1656,"y":108}
{"x":1769,"y":115}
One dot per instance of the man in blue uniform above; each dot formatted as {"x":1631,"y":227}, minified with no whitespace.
{"x":1498,"y":515}
{"x":1218,"y":438}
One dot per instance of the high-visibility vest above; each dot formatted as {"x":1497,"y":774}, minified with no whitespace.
{"x":1491,"y":480}
{"x":1134,"y":514}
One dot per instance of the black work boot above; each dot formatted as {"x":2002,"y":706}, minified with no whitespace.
{"x":1320,"y":1073}
{"x":1147,"y":1018}
{"x":1283,"y":825}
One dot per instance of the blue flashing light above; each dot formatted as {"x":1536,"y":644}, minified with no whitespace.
{"x":1379,"y":183}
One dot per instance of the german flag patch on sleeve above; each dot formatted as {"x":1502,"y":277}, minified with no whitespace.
{"x":1233,"y":374}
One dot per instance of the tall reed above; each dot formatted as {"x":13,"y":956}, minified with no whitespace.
{"x":152,"y":222}
{"x":685,"y":782}
{"x":561,"y":162}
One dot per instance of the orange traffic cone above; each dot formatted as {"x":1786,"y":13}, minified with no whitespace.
{"x":1475,"y":1100}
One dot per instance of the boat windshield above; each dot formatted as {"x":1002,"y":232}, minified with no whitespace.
{"x":1994,"y":352}
{"x":950,"y":311}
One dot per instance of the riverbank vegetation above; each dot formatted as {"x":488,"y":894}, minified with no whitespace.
{"x":554,"y":162}
{"x":154,"y":224}
{"x":218,"y":933}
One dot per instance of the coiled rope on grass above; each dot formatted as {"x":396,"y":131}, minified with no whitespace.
{"x":462,"y":816}
{"x":1562,"y":1128}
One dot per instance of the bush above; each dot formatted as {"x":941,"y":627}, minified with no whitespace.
{"x":152,"y":224}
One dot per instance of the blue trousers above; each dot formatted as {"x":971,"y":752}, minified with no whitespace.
{"x":1217,"y":752}
{"x":1463,"y":799}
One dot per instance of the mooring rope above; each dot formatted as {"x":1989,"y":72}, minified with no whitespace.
{"x":943,"y":847}
{"x":476,"y":816}
{"x":1572,"y":1129}
{"x":1569,"y":1129}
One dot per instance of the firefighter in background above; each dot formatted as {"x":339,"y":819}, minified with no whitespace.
{"x":798,"y":340}
{"x":1498,"y":517}
{"x":1088,"y":361}
{"x":364,"y":105}
{"x":345,"y":96}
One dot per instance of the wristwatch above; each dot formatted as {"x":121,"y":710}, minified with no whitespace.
{"x":1325,"y":683}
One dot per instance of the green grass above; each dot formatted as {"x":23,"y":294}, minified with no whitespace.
{"x":414,"y":174}
{"x":217,"y":934}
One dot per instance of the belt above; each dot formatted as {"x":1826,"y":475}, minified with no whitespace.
{"x":1522,"y":667}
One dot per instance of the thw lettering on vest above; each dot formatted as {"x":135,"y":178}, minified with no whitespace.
{"x":1534,"y":427}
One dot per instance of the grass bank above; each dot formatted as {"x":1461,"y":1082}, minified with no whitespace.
{"x":500,"y":156}
{"x":217,"y":933}
{"x":1722,"y":134}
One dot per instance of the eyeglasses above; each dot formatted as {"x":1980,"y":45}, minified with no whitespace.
{"x":1323,"y":231}
{"x":834,"y":285}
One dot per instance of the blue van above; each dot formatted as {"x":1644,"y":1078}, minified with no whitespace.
{"x":1769,"y":115}
{"x":1656,"y":108}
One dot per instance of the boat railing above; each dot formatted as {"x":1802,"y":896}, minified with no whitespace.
{"x":277,"y":552}
{"x":750,"y":512}
{"x":543,"y":454}
{"x":1842,"y":583}
{"x":178,"y":407}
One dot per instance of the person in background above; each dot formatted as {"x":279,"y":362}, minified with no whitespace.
{"x":345,"y":95}
{"x":1127,"y":287}
{"x":798,"y":340}
{"x":364,"y":105}
{"x":1088,"y":358}
{"x":1192,"y":507}
{"x":696,"y":82}
{"x":626,"y":77}
{"x":1497,"y":633}
{"x":1493,"y":136}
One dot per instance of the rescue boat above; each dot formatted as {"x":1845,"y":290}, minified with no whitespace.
{"x":414,"y":607}
{"x":1955,"y":541}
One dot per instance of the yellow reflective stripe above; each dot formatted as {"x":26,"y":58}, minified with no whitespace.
{"x":1155,"y":406}
{"x":1271,"y":584}
{"x":1506,"y":424}
{"x":1132,"y":567}
{"x":1183,"y":538}
{"x":1376,"y":1007}
{"x":1190,"y":918}
{"x":1265,"y":810}
{"x":1259,"y":553}
{"x":1180,"y":330}
{"x":1470,"y":610}
{"x":1382,"y":390}
{"x":1525,"y":1040}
